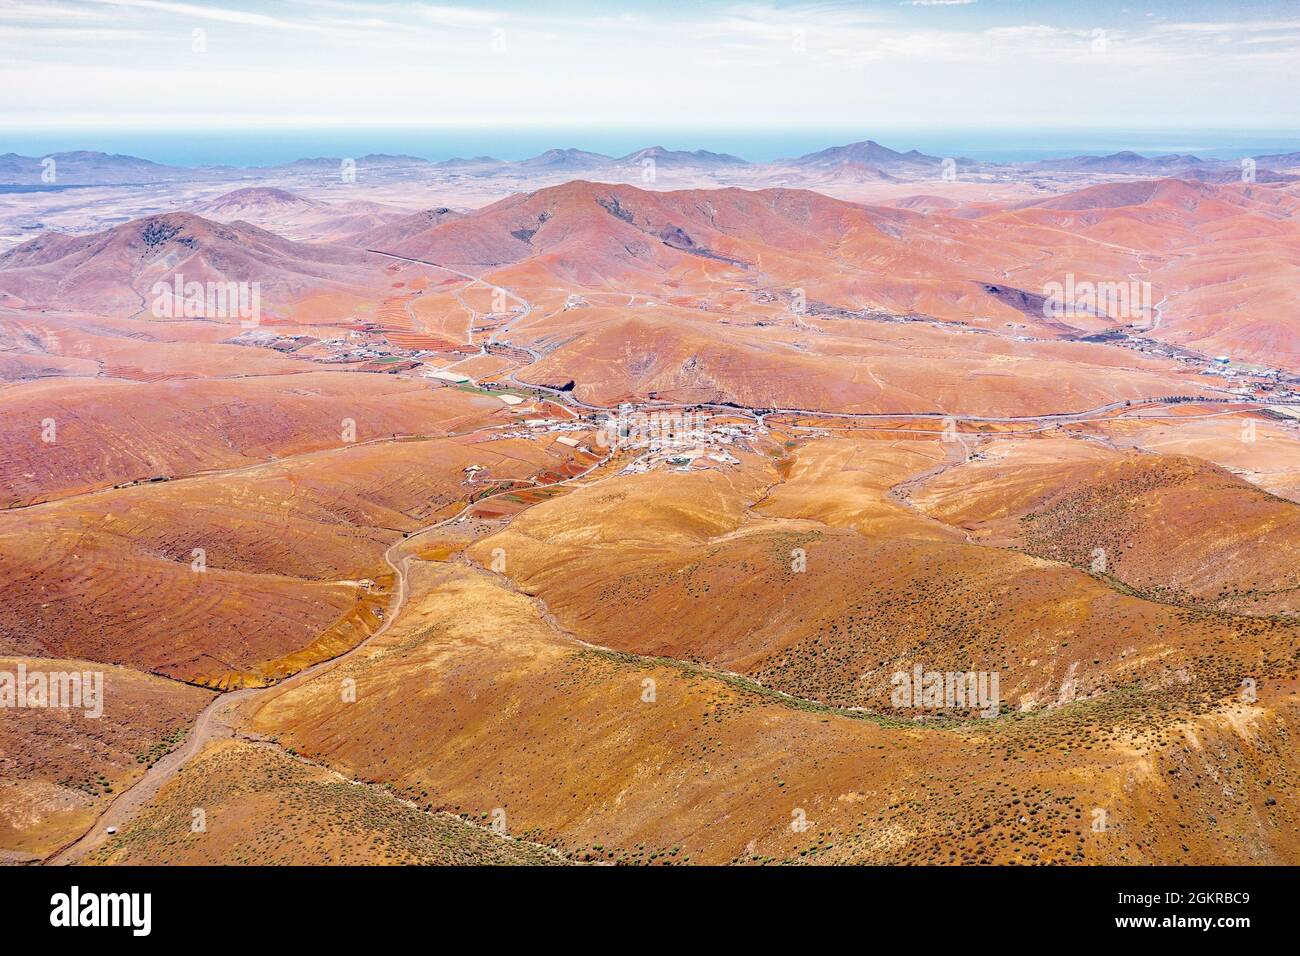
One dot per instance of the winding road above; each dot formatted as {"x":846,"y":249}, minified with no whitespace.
{"x":214,"y":721}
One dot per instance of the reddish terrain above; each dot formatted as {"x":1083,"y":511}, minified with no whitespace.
{"x":370,"y":556}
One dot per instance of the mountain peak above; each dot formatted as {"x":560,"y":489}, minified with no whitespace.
{"x":868,"y":153}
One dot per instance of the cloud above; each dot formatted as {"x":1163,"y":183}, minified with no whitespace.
{"x":458,"y":17}
{"x":320,"y":61}
{"x":223,"y":14}
{"x":1024,"y":32}
{"x":33,"y":10}
{"x":28,"y":36}
{"x":1230,"y":27}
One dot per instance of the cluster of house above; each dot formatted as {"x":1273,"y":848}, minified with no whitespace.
{"x":367,"y":350}
{"x":709,"y":445}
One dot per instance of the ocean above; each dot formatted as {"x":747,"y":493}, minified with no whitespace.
{"x":266,"y":147}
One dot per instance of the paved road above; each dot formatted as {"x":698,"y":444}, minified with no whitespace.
{"x":570,"y":399}
{"x":213,"y":721}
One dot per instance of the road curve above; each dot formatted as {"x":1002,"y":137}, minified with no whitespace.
{"x":212,"y":724}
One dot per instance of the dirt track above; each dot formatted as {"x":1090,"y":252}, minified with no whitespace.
{"x":212,"y":723}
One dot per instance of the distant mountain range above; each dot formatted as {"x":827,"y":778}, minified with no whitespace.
{"x":677,"y":157}
{"x":1123,"y":162}
{"x":574,"y":159}
{"x":867,"y":153}
{"x":867,"y":159}
{"x":84,"y":166}
{"x":578,"y":160}
{"x":1178,"y":165}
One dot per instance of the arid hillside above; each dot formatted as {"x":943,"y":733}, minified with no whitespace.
{"x":1222,"y":260}
{"x":600,"y":524}
{"x":61,"y":768}
{"x":297,"y":217}
{"x":785,"y":297}
{"x":652,"y":748}
{"x":117,"y":271}
{"x":1169,"y":526}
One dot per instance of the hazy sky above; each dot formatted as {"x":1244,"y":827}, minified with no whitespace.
{"x":927,"y":63}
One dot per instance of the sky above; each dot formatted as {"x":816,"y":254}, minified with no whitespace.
{"x":1010,"y":64}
